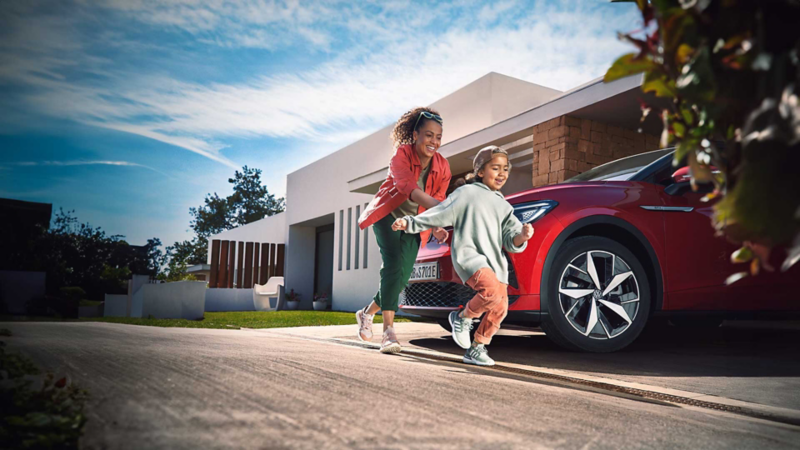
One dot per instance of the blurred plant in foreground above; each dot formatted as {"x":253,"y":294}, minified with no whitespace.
{"x":730,"y":68}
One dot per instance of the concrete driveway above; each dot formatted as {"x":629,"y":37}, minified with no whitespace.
{"x":318,"y":388}
{"x":741,"y":363}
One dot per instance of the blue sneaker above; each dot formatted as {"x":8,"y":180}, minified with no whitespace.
{"x":461,"y":328}
{"x":478,"y":355}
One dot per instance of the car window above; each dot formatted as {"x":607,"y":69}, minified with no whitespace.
{"x":621,"y":169}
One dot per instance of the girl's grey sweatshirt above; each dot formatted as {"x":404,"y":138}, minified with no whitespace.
{"x":483,"y":223}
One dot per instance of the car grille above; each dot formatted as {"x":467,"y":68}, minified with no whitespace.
{"x":439,"y":294}
{"x":436,"y":294}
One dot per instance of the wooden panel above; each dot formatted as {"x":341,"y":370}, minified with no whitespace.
{"x":264,"y":267}
{"x":279,"y":263}
{"x":222,"y":282}
{"x":248,"y":266}
{"x":273,"y":254}
{"x":231,"y":263}
{"x":256,"y":261}
{"x":240,"y":266}
{"x":212,"y":282}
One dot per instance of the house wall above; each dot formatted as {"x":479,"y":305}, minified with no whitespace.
{"x":18,"y":287}
{"x":566,"y":146}
{"x":321,"y":188}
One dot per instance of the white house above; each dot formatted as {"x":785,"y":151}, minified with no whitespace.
{"x":550,"y":135}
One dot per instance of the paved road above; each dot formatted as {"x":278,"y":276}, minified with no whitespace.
{"x":188,"y":388}
{"x":750,"y":361}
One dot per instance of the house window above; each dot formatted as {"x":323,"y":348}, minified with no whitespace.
{"x":349,"y":233}
{"x":358,"y":214}
{"x":341,"y":233}
{"x":366,"y":241}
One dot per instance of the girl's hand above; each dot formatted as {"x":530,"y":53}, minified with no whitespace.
{"x":524,"y":235}
{"x":399,"y":225}
{"x":527,"y":232}
{"x":440,"y":234}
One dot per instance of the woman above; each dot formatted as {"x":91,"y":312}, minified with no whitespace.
{"x":417,"y":180}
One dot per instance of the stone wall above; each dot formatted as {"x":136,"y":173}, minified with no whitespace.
{"x":566,"y":146}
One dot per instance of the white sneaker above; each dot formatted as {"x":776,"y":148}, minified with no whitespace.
{"x":478,"y":355}
{"x":364,"y":325}
{"x":390,"y":344}
{"x":461,"y":328}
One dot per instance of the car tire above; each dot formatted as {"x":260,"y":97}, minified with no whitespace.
{"x":613,"y":320}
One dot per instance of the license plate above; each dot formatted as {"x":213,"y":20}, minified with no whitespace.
{"x":425,"y":271}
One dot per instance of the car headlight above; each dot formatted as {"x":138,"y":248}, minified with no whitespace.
{"x":532,"y":211}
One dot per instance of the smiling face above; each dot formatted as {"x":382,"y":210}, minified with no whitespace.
{"x":495,"y":172}
{"x":427,"y":139}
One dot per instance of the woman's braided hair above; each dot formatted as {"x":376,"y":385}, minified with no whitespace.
{"x":403,"y":131}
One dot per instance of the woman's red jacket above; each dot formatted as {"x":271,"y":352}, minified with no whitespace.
{"x":404,"y":170}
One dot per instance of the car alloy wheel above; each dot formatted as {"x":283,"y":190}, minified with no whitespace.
{"x":599,"y":294}
{"x":597,"y":297}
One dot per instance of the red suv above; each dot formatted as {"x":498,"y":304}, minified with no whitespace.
{"x":613,"y":247}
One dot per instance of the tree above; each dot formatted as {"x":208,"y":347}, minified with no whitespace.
{"x":730,"y":69}
{"x":249,"y":202}
{"x":75,"y":254}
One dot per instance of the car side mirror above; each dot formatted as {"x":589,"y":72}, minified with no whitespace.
{"x":681,"y":175}
{"x":681,"y":183}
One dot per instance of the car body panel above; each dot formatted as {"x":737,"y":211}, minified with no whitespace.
{"x":690,"y":264}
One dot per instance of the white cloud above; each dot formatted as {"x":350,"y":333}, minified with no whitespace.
{"x":359,"y":90}
{"x":489,"y":13}
{"x":80,"y":163}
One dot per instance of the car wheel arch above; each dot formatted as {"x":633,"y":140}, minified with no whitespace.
{"x":616,"y":229}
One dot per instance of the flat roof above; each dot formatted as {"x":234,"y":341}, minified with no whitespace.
{"x":616,"y":102}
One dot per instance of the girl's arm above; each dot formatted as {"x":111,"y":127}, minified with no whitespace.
{"x":442,"y":215}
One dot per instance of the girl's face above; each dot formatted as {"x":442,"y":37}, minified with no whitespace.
{"x":428,"y":138}
{"x":495,"y":172}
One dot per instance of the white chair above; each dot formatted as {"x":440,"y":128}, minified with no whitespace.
{"x":270,"y":296}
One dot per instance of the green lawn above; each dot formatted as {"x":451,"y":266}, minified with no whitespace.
{"x":249,"y":319}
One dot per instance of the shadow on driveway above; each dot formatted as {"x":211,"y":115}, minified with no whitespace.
{"x":757,"y":364}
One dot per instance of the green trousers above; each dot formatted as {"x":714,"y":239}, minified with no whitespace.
{"x":398,"y":252}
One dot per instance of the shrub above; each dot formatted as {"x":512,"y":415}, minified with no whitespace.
{"x":50,"y":416}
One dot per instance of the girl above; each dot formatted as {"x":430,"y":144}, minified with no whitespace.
{"x":483,"y":223}
{"x":418,"y":179}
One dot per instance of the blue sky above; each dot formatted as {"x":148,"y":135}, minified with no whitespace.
{"x":130,"y":111}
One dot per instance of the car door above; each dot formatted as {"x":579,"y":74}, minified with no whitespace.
{"x":698,"y":261}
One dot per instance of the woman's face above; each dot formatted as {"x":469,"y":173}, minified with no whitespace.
{"x":495,"y":172}
{"x":428,"y":138}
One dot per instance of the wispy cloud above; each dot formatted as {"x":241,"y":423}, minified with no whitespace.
{"x":80,"y":163}
{"x":399,"y":58}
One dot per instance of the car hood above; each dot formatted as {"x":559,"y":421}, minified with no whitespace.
{"x":554,"y":191}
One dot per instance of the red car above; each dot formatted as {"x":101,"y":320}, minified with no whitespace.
{"x":612,"y":247}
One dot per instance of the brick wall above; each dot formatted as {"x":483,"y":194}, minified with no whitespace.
{"x":566,"y":146}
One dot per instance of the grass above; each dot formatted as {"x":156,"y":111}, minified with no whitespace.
{"x":248,"y":319}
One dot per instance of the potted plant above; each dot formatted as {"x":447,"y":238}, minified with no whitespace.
{"x":320,"y":301}
{"x":292,"y":300}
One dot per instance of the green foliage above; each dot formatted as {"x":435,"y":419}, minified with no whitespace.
{"x":72,"y":293}
{"x":37,"y":412}
{"x":80,"y":255}
{"x":730,"y":68}
{"x":249,"y":202}
{"x":176,"y":272}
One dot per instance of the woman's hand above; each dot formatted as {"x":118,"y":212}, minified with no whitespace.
{"x":524,"y":235}
{"x":399,"y":225}
{"x":440,"y":234}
